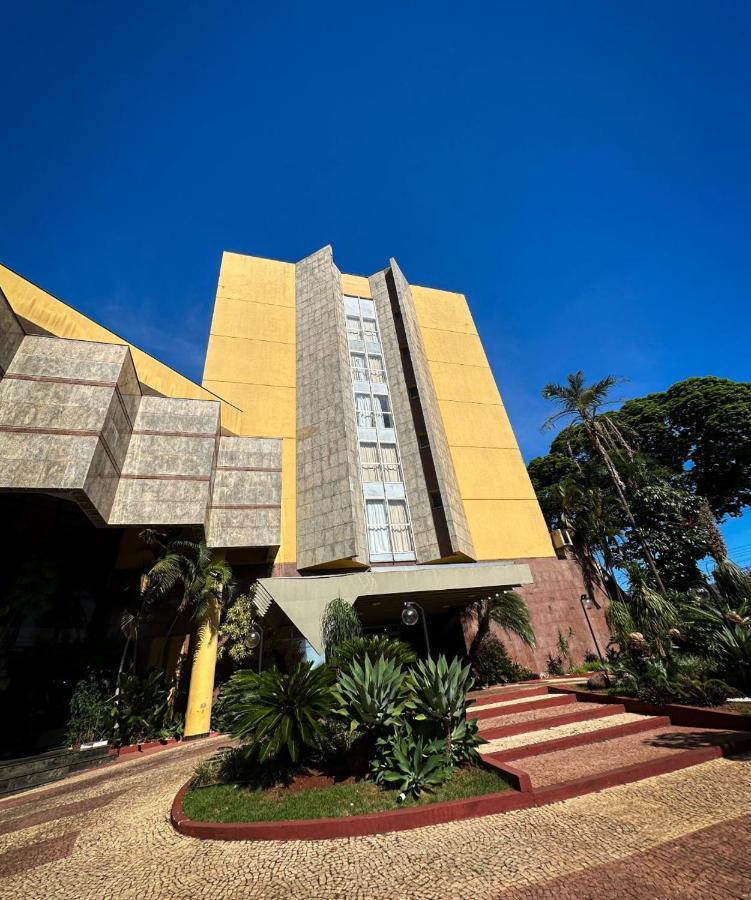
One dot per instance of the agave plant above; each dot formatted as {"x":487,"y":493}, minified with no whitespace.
{"x":441,"y":690}
{"x":373,"y":695}
{"x":375,"y":646}
{"x":413,"y":765}
{"x":279,"y":712}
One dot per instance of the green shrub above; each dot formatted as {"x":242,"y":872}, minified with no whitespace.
{"x":464,"y":741}
{"x":375,"y":646}
{"x":141,"y":708}
{"x":339,"y":623}
{"x":90,"y":711}
{"x":373,"y":695}
{"x":440,"y":691}
{"x":280,"y":714}
{"x":410,"y":764}
{"x":494,"y":666}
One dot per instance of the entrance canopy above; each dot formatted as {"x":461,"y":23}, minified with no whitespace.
{"x":382,"y":592}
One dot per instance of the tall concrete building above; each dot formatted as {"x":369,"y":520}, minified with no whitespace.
{"x":348,"y":440}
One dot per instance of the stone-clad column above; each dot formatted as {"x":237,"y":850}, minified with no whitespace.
{"x":427,"y":545}
{"x":330,"y":513}
{"x":458,"y":539}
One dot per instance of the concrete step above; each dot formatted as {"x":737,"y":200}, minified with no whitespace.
{"x":571,"y":764}
{"x":542,"y":719}
{"x":496,"y":695}
{"x":575,"y":734}
{"x":511,"y":707}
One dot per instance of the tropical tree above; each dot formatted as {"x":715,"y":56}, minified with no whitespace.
{"x":581,"y":403}
{"x":508,"y":610}
{"x":189,"y":568}
{"x":235,"y":629}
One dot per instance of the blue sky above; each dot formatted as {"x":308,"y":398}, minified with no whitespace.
{"x":580,"y":171}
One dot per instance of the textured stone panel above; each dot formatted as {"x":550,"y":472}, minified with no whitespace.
{"x":330,"y":514}
{"x":44,"y":461}
{"x":186,"y":417}
{"x":418,"y":497}
{"x":154,"y":501}
{"x":50,"y":357}
{"x":158,"y":454}
{"x":456,"y":520}
{"x":246,"y":494}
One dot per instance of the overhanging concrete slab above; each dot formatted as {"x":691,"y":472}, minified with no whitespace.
{"x":303,"y":599}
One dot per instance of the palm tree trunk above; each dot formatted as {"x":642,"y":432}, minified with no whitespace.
{"x":618,"y":484}
{"x":483,"y":627}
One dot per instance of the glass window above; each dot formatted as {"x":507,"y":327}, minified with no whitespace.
{"x":364,"y":411}
{"x":359,"y":371}
{"x":378,"y":528}
{"x":371,"y":470}
{"x":370,"y":332}
{"x":382,"y":410}
{"x":390,"y":459}
{"x":375,"y":367}
{"x":400,"y":531}
{"x":354,"y":332}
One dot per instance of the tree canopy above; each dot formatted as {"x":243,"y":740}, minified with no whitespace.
{"x":684,"y":458}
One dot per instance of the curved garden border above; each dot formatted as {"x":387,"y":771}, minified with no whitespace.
{"x":357,"y":826}
{"x":521,"y":796}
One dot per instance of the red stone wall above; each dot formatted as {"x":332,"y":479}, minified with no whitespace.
{"x":554,"y":603}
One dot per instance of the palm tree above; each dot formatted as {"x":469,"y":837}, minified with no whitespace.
{"x":581,"y":403}
{"x":508,"y":610}
{"x":190,"y":567}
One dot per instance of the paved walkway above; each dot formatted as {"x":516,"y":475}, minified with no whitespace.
{"x":106,"y":834}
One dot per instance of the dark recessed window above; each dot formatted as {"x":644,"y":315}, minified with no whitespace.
{"x":435,"y":499}
{"x":412,"y":391}
{"x":422,"y":441}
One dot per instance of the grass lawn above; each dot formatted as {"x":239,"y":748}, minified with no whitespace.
{"x":227,"y":803}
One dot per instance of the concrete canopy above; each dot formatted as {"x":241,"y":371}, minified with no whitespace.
{"x":304,"y":599}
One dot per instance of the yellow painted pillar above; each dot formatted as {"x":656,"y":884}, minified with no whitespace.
{"x":198,"y":713}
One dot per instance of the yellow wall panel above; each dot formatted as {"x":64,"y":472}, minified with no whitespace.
{"x":495,"y":473}
{"x":471,"y":384}
{"x":250,"y":361}
{"x":355,"y":285}
{"x":453,"y":346}
{"x":53,"y":316}
{"x":476,"y":425}
{"x":508,"y":529}
{"x":253,"y":278}
{"x":442,"y":309}
{"x":268,"y":411}
{"x":261,"y":321}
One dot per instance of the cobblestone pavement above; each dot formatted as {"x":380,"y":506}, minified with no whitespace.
{"x":107,"y":835}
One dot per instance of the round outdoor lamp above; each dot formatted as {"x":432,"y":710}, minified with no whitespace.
{"x":587,"y":603}
{"x":255,"y":639}
{"x":410,"y":614}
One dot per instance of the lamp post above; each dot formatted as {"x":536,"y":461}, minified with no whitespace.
{"x":255,"y":639}
{"x":410,"y":615}
{"x":587,"y":603}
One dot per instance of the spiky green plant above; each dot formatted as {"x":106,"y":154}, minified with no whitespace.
{"x":373,"y":695}
{"x":280,"y":713}
{"x":413,"y":765}
{"x":375,"y":646}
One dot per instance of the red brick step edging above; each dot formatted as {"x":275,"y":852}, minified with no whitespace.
{"x":585,"y":738}
{"x":491,"y":712}
{"x":582,"y":715}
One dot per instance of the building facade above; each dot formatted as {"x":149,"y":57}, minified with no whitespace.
{"x":348,"y":440}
